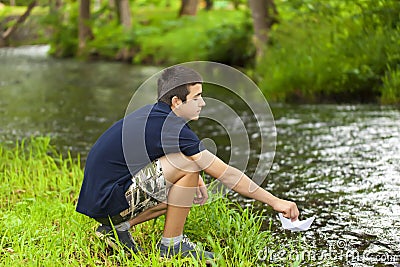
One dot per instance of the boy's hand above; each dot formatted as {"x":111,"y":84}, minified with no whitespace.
{"x":287,"y":208}
{"x":201,"y":193}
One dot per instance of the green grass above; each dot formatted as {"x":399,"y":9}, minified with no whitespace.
{"x":391,"y":87}
{"x":39,"y":225}
{"x":9,"y":11}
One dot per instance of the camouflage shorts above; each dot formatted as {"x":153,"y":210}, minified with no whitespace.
{"x":147,"y":190}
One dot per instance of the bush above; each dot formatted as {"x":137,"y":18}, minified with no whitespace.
{"x":231,"y":44}
{"x":334,"y":60}
{"x":63,"y":41}
{"x":391,"y":87}
{"x":167,"y":39}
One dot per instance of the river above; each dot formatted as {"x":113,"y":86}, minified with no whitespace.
{"x":340,"y":163}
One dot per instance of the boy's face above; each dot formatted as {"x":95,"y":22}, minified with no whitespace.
{"x":190,"y":109}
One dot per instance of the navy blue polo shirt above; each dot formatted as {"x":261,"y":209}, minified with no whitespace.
{"x":125,"y":148}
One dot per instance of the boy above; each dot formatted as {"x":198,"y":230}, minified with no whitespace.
{"x":148,"y":164}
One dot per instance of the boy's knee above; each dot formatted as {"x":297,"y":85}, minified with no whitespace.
{"x":178,"y":164}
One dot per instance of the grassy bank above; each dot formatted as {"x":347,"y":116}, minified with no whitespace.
{"x":39,"y":225}
{"x":350,"y":56}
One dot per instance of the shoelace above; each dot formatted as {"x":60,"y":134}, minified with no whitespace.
{"x":186,"y":240}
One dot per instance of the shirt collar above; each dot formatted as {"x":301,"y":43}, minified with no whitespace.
{"x":163,"y":107}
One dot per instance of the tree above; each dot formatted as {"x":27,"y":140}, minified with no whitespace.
{"x":84,"y":30}
{"x":264,"y":14}
{"x":7,"y":33}
{"x":124,"y":13}
{"x":188,"y":8}
{"x":125,"y":19}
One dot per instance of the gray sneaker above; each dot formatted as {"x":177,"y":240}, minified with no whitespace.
{"x":124,"y":237}
{"x":187,"y":249}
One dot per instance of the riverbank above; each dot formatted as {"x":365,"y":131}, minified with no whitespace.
{"x":39,"y":225}
{"x":313,"y":55}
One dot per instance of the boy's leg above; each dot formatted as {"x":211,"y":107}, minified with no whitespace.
{"x":181,"y":175}
{"x":182,"y":181}
{"x":180,"y":199}
{"x":143,"y":207}
{"x":149,"y":214}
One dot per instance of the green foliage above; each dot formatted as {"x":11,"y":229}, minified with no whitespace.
{"x":14,"y":11}
{"x":64,"y":27}
{"x":231,"y":44}
{"x":109,"y":35}
{"x":166,"y":39}
{"x":340,"y":56}
{"x":158,"y":36}
{"x":391,"y":87}
{"x":109,"y":40}
{"x":24,"y":2}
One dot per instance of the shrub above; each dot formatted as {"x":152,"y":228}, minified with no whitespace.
{"x":231,"y":44}
{"x":391,"y":87}
{"x":320,"y":60}
{"x":63,"y":40}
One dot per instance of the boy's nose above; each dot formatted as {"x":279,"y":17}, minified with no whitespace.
{"x":202,"y":103}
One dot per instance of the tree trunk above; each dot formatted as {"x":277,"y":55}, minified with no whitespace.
{"x":188,"y":8}
{"x":125,"y":19}
{"x":85,"y":32}
{"x":209,"y":5}
{"x":124,"y":13}
{"x":264,"y":14}
{"x":6,"y":34}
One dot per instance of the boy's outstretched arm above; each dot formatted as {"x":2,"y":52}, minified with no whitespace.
{"x":242,"y":184}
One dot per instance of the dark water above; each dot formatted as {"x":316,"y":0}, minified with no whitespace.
{"x":340,"y":163}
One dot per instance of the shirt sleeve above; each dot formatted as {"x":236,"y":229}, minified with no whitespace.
{"x":189,"y":142}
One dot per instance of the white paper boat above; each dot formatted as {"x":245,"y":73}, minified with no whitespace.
{"x":296,"y":225}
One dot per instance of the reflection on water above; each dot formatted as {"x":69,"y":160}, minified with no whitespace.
{"x":340,"y":163}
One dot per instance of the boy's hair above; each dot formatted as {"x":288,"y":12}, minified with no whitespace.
{"x":174,"y":81}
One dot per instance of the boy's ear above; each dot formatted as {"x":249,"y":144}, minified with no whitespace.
{"x":175,"y":101}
